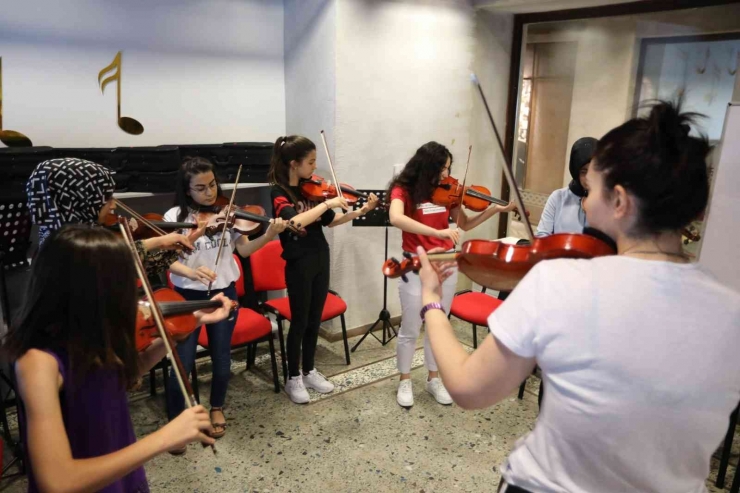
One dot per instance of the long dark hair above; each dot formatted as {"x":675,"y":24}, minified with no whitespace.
{"x":81,"y":300}
{"x":285,"y":150}
{"x":190,"y":167}
{"x":656,"y":160}
{"x":420,"y":176}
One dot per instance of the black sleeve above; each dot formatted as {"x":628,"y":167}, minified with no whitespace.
{"x":282,"y":205}
{"x":327,"y":217}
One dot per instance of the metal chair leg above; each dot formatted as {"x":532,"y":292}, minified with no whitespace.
{"x":475,"y":336}
{"x":282,"y":349}
{"x":273,"y":360}
{"x":727,"y":447}
{"x":344,"y":336}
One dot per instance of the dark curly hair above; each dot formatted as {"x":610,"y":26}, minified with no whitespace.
{"x":420,"y":176}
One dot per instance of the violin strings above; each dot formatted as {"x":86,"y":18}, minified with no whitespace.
{"x":140,"y":218}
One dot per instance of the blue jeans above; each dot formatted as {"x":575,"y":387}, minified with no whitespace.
{"x":219,"y":342}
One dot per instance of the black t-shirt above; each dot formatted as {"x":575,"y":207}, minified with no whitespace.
{"x":284,"y":207}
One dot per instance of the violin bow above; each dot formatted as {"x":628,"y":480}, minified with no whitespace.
{"x":139,"y":218}
{"x":183,"y":382}
{"x":507,"y":161}
{"x":462,"y":195}
{"x":226,"y":226}
{"x":331,"y":167}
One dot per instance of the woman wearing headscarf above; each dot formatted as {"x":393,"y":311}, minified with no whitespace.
{"x":75,"y":191}
{"x":563,"y":212}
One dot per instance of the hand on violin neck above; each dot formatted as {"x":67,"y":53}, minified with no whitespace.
{"x":276,"y":227}
{"x":432,"y":276}
{"x":213,"y":315}
{"x":372,"y":203}
{"x":172,"y":241}
{"x":199,"y":231}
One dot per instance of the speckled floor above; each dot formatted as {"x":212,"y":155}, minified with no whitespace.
{"x":357,"y":440}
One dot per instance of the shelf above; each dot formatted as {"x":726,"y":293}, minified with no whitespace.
{"x":228,"y":186}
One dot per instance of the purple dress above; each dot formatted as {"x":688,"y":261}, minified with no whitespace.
{"x":97,"y":420}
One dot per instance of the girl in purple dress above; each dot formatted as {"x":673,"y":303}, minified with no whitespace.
{"x":75,"y":357}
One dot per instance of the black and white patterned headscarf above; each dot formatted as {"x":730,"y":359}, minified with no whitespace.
{"x":67,"y":191}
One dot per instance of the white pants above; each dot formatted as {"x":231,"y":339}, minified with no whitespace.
{"x":410,"y":293}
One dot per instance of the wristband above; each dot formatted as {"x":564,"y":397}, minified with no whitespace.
{"x":431,"y":306}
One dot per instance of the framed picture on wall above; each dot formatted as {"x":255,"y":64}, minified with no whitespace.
{"x":701,"y":69}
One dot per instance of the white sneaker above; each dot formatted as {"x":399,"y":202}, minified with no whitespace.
{"x":296,"y":390}
{"x":405,"y":395}
{"x":318,"y":382}
{"x":438,"y":390}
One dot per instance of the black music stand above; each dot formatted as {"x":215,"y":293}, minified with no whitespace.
{"x":15,"y":240}
{"x":378,"y":218}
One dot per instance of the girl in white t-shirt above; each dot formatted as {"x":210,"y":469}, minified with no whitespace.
{"x":640,"y":359}
{"x":198,"y":187}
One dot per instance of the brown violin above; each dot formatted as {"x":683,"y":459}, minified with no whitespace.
{"x":246,"y":220}
{"x":179,"y":320}
{"x":450,"y":193}
{"x":317,"y":189}
{"x":500,"y":266}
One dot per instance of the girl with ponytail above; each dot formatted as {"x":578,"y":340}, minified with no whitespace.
{"x":638,"y":350}
{"x":307,"y":258}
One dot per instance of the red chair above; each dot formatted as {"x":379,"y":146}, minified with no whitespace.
{"x":474,"y":307}
{"x":251,"y":328}
{"x":268,"y":274}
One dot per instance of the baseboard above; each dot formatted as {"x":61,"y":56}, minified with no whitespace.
{"x":332,"y":335}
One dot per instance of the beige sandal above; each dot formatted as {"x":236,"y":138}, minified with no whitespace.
{"x":219,"y":429}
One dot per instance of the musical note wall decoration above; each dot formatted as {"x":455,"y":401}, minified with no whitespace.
{"x":10,"y":138}
{"x":127,"y":124}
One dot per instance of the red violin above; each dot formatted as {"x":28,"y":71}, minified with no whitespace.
{"x":246,"y":220}
{"x":500,"y":266}
{"x":450,"y":193}
{"x":317,"y":189}
{"x":178,"y":316}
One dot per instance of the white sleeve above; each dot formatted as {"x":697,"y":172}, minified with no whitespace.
{"x":516,"y":321}
{"x":171,"y":215}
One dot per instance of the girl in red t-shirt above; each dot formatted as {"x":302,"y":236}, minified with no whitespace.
{"x":427,"y":225}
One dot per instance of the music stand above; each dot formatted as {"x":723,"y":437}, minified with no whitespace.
{"x":378,"y":217}
{"x":15,"y":240}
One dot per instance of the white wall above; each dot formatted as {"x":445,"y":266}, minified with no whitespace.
{"x":310,"y":73}
{"x":193,"y":72}
{"x":401,"y":80}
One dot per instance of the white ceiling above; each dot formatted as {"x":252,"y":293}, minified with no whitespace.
{"x":529,"y":6}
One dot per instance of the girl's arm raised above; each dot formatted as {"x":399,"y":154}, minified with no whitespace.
{"x":55,"y":470}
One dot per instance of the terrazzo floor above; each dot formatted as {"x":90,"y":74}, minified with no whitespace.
{"x":355,"y":440}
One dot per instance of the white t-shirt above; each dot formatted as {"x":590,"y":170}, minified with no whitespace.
{"x":206,"y":250}
{"x":641,"y":370}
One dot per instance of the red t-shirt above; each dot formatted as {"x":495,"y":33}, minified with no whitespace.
{"x":434,"y":216}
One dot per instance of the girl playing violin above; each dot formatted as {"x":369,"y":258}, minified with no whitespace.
{"x":75,"y":357}
{"x":425,"y":224}
{"x":76,"y":191}
{"x":640,"y":358}
{"x":307,"y":258}
{"x":196,"y":188}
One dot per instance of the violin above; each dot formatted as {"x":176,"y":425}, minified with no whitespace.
{"x":246,"y":220}
{"x":317,"y":189}
{"x":179,"y":320}
{"x":179,"y":371}
{"x":144,"y":231}
{"x":500,"y":266}
{"x":450,"y":193}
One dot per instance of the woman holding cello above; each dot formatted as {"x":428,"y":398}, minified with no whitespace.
{"x":196,"y":190}
{"x":299,"y":197}
{"x":75,"y":357}
{"x":425,"y":224}
{"x":640,"y":357}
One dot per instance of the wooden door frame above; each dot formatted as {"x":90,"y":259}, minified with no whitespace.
{"x":520,"y":20}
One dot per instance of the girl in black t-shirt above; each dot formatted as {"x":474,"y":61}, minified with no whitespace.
{"x":307,"y":258}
